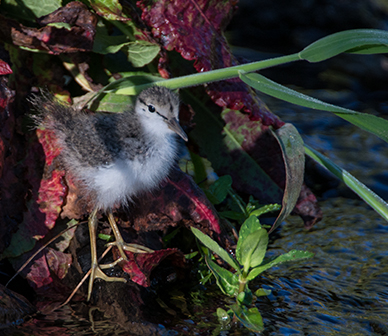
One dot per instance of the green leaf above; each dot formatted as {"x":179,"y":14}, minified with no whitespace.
{"x":367,"y":122}
{"x":226,"y":280}
{"x":109,"y":9}
{"x":60,"y":25}
{"x":245,"y":297}
{"x":220,"y":188}
{"x":292,"y":148}
{"x":107,"y":44}
{"x":223,"y":316}
{"x":141,"y":53}
{"x":362,"y":41}
{"x":251,"y":224}
{"x":265,"y":209}
{"x":29,"y":9}
{"x":105,"y":237}
{"x":293,"y":255}
{"x":111,"y":102}
{"x":375,"y":201}
{"x":200,"y":173}
{"x":250,"y":318}
{"x":191,"y":255}
{"x":263,"y":292}
{"x":238,"y":216}
{"x":217,"y":249}
{"x":251,"y":251}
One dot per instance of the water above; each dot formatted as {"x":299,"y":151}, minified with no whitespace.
{"x":343,"y":290}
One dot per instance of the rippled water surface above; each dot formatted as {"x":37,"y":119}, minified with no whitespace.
{"x":343,"y":290}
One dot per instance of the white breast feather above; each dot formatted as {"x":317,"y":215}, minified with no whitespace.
{"x":119,"y":182}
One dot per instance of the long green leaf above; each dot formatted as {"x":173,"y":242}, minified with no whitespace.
{"x":293,"y":255}
{"x":367,"y":122}
{"x":375,"y":201}
{"x":362,"y":41}
{"x":217,"y":249}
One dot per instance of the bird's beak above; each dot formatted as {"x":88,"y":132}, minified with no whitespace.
{"x":173,"y":124}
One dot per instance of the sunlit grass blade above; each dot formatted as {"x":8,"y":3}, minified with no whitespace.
{"x":217,"y":249}
{"x":362,"y":41}
{"x":375,"y":201}
{"x":367,"y":122}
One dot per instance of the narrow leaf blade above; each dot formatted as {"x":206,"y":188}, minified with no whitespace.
{"x":362,"y":41}
{"x":293,"y":255}
{"x":217,"y":249}
{"x":367,"y":122}
{"x":375,"y":201}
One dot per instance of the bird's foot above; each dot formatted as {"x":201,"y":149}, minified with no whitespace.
{"x":121,"y":244}
{"x":97,"y":273}
{"x":134,"y":248}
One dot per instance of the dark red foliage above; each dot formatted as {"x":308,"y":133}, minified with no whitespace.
{"x":140,"y":266}
{"x":55,"y":40}
{"x":178,"y":200}
{"x":5,"y":69}
{"x":195,"y":30}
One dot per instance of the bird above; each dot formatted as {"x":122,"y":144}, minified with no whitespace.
{"x":115,"y":157}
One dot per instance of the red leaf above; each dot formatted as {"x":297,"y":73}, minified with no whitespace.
{"x":139,"y":266}
{"x":5,"y":69}
{"x":58,"y":262}
{"x":39,"y":275}
{"x":178,"y":199}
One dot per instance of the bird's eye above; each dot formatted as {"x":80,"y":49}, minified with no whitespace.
{"x":151,"y":108}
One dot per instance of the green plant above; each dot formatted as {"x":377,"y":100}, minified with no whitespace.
{"x":248,"y":264}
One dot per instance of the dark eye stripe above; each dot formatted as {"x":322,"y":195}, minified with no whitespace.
{"x":165,"y":118}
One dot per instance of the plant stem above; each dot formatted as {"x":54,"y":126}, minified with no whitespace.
{"x":242,"y":283}
{"x":213,"y":75}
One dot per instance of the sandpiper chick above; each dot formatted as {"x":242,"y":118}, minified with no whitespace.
{"x":115,"y":157}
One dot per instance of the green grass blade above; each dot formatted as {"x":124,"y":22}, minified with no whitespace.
{"x":362,"y":41}
{"x":367,"y":122}
{"x":217,"y":249}
{"x":375,"y":201}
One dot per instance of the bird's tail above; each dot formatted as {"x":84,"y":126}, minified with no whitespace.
{"x":50,"y":113}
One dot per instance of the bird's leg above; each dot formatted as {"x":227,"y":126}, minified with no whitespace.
{"x":121,"y":245}
{"x":96,"y":271}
